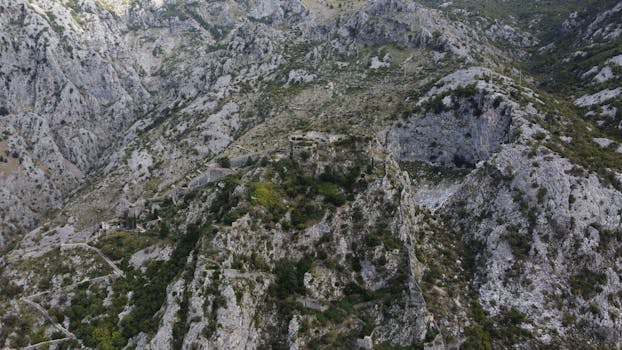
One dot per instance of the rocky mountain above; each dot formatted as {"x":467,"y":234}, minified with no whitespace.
{"x":306,"y":174}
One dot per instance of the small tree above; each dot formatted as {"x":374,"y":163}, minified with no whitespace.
{"x":129,"y":221}
{"x":224,"y":162}
{"x":249,"y":161}
{"x":164,"y":230}
{"x":305,"y":155}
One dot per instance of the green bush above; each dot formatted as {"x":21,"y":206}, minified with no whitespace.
{"x":331,"y":194}
{"x":588,"y":283}
{"x":164,"y":230}
{"x":150,"y":289}
{"x":303,"y":213}
{"x":265,"y":194}
{"x":541,"y":194}
{"x":119,"y":245}
{"x":520,"y":244}
{"x":476,"y":339}
{"x":225,"y":198}
{"x":515,"y":317}
{"x":10,"y":289}
{"x":332,"y":314}
{"x":305,"y":155}
{"x":290,"y":277}
{"x":224,"y":162}
{"x":233,"y":215}
{"x":372,"y":240}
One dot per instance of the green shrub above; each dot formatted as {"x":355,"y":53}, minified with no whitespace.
{"x":224,"y":162}
{"x":520,"y":244}
{"x":225,"y":198}
{"x":303,"y":213}
{"x":265,"y":194}
{"x":541,"y":194}
{"x":333,"y":315}
{"x":164,"y":230}
{"x":233,"y":215}
{"x":588,"y":283}
{"x":539,"y":136}
{"x":119,"y":245}
{"x":10,"y":289}
{"x":372,"y":240}
{"x":476,"y":339}
{"x":290,"y":277}
{"x":332,"y":195}
{"x":305,"y":155}
{"x":515,"y":317}
{"x":150,"y":288}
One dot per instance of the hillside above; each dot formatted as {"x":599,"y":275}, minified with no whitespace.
{"x":381,"y":174}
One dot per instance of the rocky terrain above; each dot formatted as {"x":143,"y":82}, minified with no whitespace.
{"x":373,"y":174}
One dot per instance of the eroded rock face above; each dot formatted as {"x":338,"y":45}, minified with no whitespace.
{"x":70,"y":72}
{"x":563,"y":215}
{"x":460,"y":123}
{"x":541,"y":225}
{"x":69,"y":85}
{"x":470,"y":132}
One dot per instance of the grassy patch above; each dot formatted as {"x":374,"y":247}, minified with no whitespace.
{"x":121,"y":245}
{"x":265,"y":194}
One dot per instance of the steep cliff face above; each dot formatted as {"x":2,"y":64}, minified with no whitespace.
{"x":306,"y":174}
{"x":462,"y":123}
{"x":69,"y":85}
{"x":541,"y":230}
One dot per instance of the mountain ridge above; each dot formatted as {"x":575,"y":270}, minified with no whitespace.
{"x":285,"y":174}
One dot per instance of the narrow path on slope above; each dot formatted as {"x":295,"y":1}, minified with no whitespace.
{"x":48,"y":342}
{"x":68,"y":335}
{"x":112,"y":265}
{"x":45,"y":314}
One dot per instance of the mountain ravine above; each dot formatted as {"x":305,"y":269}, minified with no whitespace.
{"x":310,"y":174}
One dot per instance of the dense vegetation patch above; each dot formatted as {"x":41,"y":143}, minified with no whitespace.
{"x":304,"y":195}
{"x":520,"y":244}
{"x":121,"y":245}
